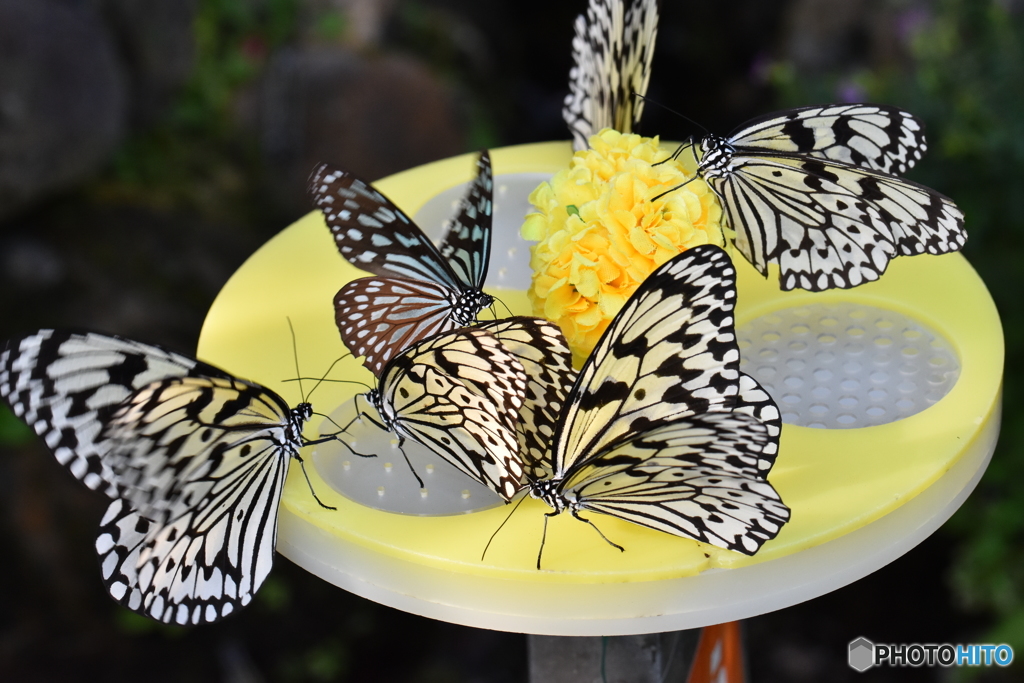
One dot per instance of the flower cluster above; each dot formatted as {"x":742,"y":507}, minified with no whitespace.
{"x":602,"y":228}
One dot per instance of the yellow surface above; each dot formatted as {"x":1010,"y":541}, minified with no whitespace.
{"x":835,"y":481}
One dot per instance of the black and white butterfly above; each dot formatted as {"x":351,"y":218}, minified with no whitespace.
{"x":810,"y":189}
{"x":612,"y":52}
{"x":660,"y":427}
{"x":420,"y":289}
{"x":541,"y":349}
{"x":194,"y":459}
{"x":459,"y":393}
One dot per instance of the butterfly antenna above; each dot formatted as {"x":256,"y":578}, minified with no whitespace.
{"x":295,"y":355}
{"x":509,"y":516}
{"x":302,"y":463}
{"x":320,"y":381}
{"x":346,"y":444}
{"x":331,"y":420}
{"x":324,"y":379}
{"x":505,"y":306}
{"x":672,"y":111}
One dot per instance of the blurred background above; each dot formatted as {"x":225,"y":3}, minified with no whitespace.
{"x":148,"y":146}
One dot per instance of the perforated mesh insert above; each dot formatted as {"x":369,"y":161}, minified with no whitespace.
{"x":845,"y":365}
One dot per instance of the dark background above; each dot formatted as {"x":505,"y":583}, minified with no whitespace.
{"x":148,"y":146}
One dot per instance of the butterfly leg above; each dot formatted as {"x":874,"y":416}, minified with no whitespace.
{"x":359,"y":416}
{"x":354,"y":451}
{"x":688,"y":142}
{"x":401,"y":442}
{"x":302,"y":464}
{"x":544,"y":535}
{"x":576,"y":514}
{"x":673,"y":189}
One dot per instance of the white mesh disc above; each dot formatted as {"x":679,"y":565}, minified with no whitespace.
{"x":845,"y":365}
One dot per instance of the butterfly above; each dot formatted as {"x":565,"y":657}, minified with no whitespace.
{"x":420,"y":290}
{"x":459,"y":393}
{"x":194,"y":459}
{"x":541,"y":349}
{"x":660,"y":428}
{"x":811,"y":190}
{"x":612,"y":52}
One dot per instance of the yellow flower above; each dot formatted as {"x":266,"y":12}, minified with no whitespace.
{"x":601,"y":229}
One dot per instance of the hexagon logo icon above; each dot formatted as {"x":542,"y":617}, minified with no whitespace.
{"x":862,"y":654}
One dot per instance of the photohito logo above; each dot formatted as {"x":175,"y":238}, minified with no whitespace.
{"x":863,"y":654}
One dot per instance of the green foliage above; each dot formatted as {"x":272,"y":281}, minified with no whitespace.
{"x":966,"y":80}
{"x":132,"y":624}
{"x":275,"y":595}
{"x":197,"y":157}
{"x":13,"y":432}
{"x":331,"y":26}
{"x":327,"y":660}
{"x":455,"y":50}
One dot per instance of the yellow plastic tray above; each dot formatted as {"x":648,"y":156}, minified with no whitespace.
{"x":859,"y":497}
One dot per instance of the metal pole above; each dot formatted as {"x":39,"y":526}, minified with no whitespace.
{"x":651,"y":658}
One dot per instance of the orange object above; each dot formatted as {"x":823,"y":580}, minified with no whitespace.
{"x":719,"y":657}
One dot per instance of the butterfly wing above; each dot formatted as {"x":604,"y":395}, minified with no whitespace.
{"x":379,"y":318}
{"x":829,"y":225}
{"x":202,"y":462}
{"x":541,"y":348}
{"x":612,"y":51}
{"x":698,"y":477}
{"x":66,"y":385}
{"x":670,"y":353}
{"x":872,"y":136}
{"x":753,"y":400}
{"x":466,"y":244}
{"x":460,"y":394}
{"x":372,"y":233}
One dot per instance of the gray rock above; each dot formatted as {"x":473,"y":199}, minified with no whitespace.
{"x":158,"y":48}
{"x":62,"y":98}
{"x":371,"y":115}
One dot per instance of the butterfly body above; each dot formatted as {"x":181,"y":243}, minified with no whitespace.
{"x":193,"y":459}
{"x":468,"y":305}
{"x":718,"y":156}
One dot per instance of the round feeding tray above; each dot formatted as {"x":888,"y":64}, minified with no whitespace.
{"x":890,"y":394}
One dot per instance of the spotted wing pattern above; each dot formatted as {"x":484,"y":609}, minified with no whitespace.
{"x":204,"y":463}
{"x":194,"y":459}
{"x":612,"y":52}
{"x":379,"y":317}
{"x":421,"y":290}
{"x":830,"y":225}
{"x":696,"y":477}
{"x":66,"y":385}
{"x":872,"y":136}
{"x":541,"y":348}
{"x":660,"y":428}
{"x":466,"y":244}
{"x":670,"y":351}
{"x":459,"y":393}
